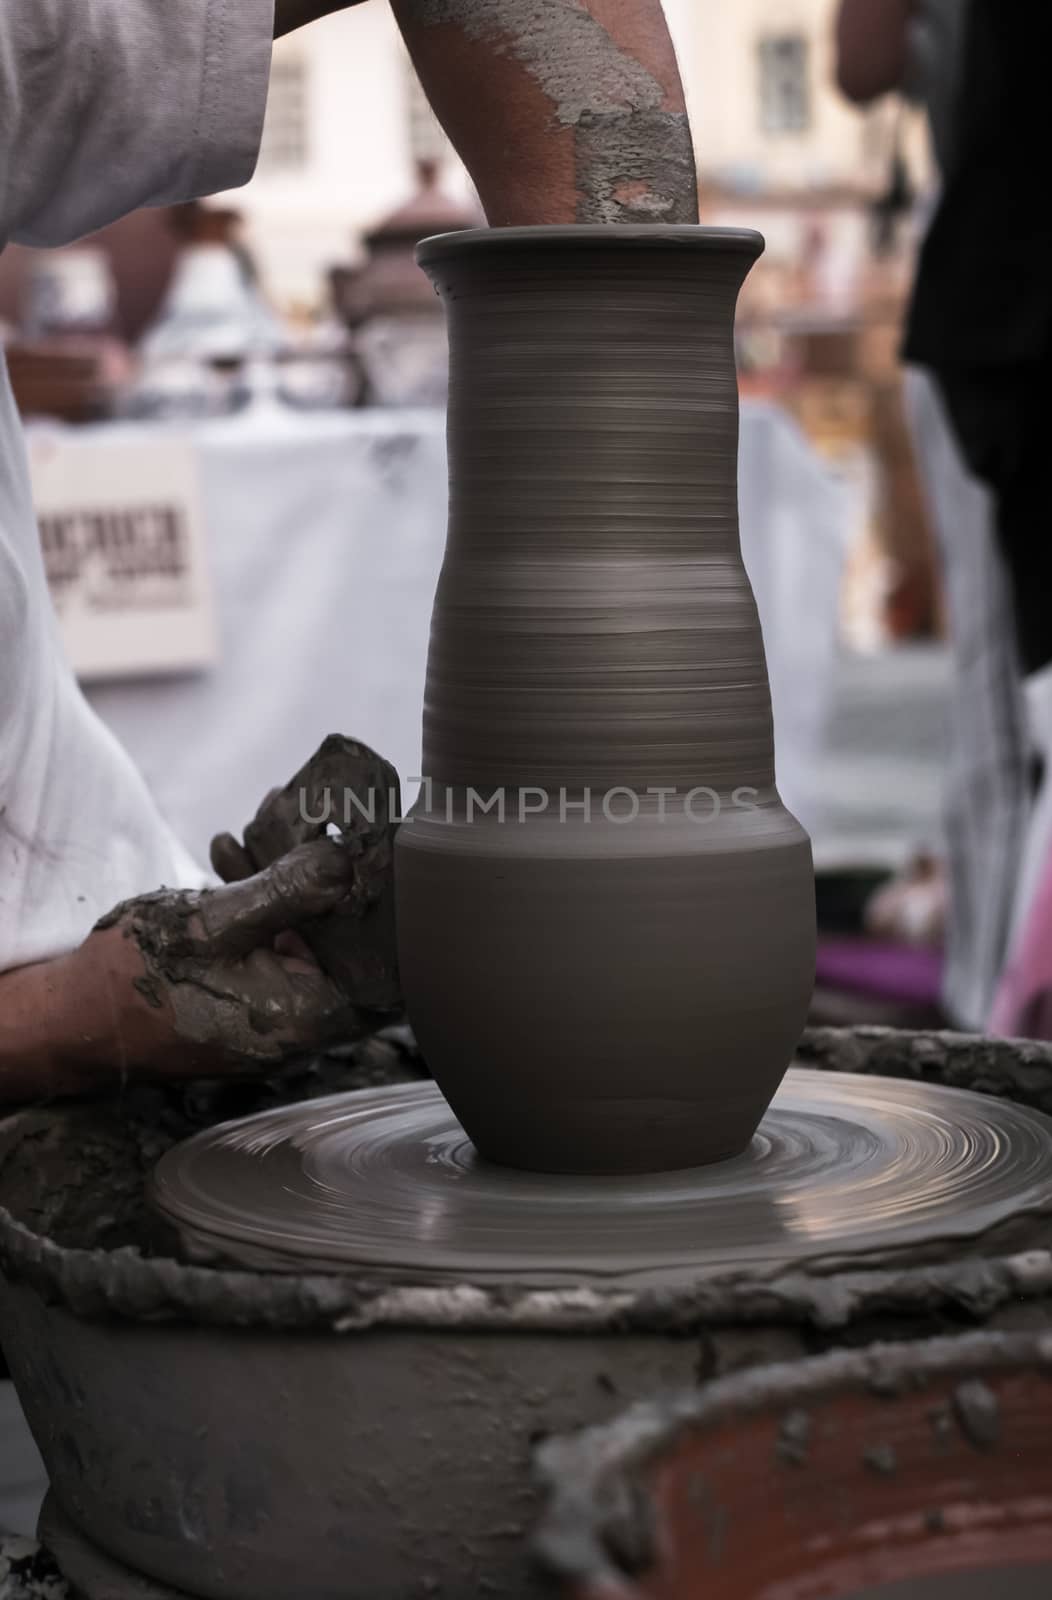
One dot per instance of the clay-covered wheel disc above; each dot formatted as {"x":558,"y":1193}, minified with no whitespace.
{"x":385,"y":1181}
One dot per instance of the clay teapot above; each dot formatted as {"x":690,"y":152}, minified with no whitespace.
{"x":606,"y":916}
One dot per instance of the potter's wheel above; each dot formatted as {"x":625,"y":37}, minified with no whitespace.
{"x":93,"y":1574}
{"x":385,"y":1181}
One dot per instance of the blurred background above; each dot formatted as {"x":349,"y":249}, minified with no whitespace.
{"x":236,"y":432}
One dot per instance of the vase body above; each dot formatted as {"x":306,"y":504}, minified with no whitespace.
{"x":605,"y":914}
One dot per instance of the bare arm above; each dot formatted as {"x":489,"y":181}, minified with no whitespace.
{"x":562,"y":110}
{"x":43,"y":1051}
{"x":871,"y":47}
{"x":72,"y":1025}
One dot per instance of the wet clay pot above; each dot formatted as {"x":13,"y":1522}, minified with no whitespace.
{"x":606,"y":915}
{"x":908,"y":1472}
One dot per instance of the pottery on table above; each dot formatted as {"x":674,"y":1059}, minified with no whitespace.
{"x":901,"y":1472}
{"x":606,"y":915}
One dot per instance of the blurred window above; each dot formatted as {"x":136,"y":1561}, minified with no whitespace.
{"x":427,"y":142}
{"x":286,"y":142}
{"x":785,"y":83}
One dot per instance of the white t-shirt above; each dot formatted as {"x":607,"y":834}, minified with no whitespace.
{"x":105,"y":105}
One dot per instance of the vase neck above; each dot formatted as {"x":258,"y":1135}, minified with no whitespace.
{"x":594,"y":624}
{"x":593,"y":405}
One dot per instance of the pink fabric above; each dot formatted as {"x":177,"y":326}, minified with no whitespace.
{"x":875,"y":967}
{"x":1022,"y":1007}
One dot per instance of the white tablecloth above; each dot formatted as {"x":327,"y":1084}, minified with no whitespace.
{"x":326,"y":534}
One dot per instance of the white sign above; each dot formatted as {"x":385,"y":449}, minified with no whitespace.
{"x":122,"y":532}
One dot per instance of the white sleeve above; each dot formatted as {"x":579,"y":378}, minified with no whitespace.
{"x":107,"y":105}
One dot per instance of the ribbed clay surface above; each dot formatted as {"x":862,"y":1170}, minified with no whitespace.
{"x":620,"y":990}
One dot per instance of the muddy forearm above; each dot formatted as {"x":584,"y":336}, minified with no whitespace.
{"x":562,"y":110}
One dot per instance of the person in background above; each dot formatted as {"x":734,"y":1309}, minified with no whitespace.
{"x":108,"y":106}
{"x":981,"y":322}
{"x":918,"y":48}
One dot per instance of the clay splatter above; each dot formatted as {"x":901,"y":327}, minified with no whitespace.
{"x":571,"y":55}
{"x":794,"y":1438}
{"x":941,"y":1420}
{"x":979,"y":1414}
{"x":881,"y":1459}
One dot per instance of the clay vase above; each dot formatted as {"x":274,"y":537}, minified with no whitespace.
{"x":605,"y":914}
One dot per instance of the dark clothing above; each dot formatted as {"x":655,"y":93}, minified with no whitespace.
{"x":999,"y":417}
{"x":983,"y":297}
{"x":981,"y":318}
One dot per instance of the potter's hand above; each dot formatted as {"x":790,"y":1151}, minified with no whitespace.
{"x":181,"y":983}
{"x":212,"y":968}
{"x":347,"y":789}
{"x":214,"y":985}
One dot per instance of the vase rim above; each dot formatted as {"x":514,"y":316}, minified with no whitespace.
{"x":614,"y":236}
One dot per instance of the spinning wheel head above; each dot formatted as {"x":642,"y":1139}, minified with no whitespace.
{"x":385,"y":1182}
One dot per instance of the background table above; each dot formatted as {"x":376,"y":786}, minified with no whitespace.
{"x":325,"y":536}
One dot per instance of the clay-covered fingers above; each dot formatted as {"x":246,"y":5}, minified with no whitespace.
{"x":230,"y":860}
{"x":294,"y":1007}
{"x":310,"y":1009}
{"x":233,"y":861}
{"x":308,"y":882}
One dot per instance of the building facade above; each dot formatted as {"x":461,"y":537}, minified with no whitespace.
{"x":765,"y":109}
